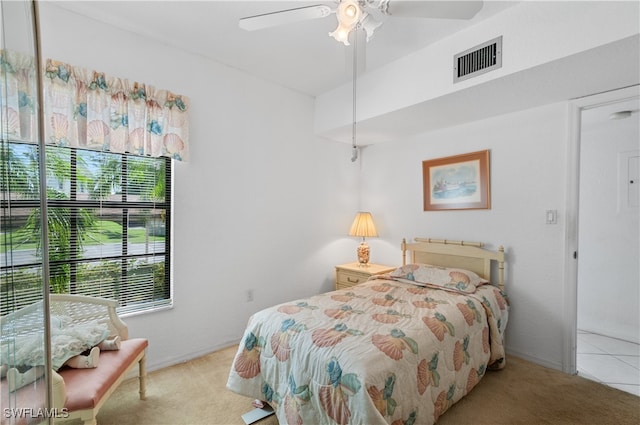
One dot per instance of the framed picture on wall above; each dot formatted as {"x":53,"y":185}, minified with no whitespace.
{"x":459,"y":182}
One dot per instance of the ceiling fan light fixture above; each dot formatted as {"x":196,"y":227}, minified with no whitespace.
{"x":369,"y":25}
{"x":341,"y":34}
{"x":348,"y":13}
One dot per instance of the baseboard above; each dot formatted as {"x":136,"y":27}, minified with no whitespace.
{"x":208,"y":350}
{"x":533,"y":359}
{"x":181,"y":359}
{"x":190,"y":356}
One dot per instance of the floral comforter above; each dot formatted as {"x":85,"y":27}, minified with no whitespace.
{"x":386,"y":351}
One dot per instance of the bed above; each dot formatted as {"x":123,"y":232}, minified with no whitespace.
{"x":400,"y":348}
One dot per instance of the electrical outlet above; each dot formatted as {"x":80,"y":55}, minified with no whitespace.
{"x":551,"y":216}
{"x":249,"y":295}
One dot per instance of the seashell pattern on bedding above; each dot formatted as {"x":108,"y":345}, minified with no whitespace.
{"x":388,"y":351}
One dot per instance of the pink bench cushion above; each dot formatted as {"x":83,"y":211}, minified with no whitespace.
{"x":86,"y":387}
{"x":31,"y":396}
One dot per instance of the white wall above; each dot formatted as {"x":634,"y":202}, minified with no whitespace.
{"x":609,"y":245}
{"x":528,"y":162}
{"x":535,"y":34}
{"x":265,"y":205}
{"x":262,"y":204}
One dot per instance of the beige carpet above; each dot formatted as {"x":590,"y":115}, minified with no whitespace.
{"x":194,"y":393}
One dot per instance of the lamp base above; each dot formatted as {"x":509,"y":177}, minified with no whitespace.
{"x":363,"y":254}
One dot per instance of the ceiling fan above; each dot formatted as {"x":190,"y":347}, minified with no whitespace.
{"x":365,"y":14}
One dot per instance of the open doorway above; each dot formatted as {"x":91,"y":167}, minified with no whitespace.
{"x":608,"y":270}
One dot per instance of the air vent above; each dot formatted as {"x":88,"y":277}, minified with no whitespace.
{"x":478,"y":60}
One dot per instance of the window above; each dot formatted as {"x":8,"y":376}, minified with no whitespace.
{"x":109,"y":221}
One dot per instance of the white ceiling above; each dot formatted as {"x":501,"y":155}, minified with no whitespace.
{"x":300,"y":55}
{"x":303,"y":57}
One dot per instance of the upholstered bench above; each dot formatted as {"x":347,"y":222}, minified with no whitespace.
{"x":88,"y":389}
{"x":80,"y":393}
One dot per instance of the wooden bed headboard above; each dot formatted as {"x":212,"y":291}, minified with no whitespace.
{"x":459,"y":254}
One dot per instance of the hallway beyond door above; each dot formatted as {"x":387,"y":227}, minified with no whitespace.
{"x":610,"y":361}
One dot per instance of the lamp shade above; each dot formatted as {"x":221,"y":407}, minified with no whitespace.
{"x":363,"y":226}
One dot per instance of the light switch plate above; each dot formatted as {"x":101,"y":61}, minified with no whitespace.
{"x":551,"y":216}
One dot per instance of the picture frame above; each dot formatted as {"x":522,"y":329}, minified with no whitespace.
{"x":459,"y":182}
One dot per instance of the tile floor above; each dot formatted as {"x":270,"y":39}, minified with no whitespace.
{"x":611,"y":361}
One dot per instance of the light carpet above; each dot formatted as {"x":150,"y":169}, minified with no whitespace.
{"x":195,"y":393}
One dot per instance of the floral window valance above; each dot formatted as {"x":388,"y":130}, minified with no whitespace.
{"x":17,"y":91}
{"x":88,"y":109}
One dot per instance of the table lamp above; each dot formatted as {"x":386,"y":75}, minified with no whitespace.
{"x":363,"y":227}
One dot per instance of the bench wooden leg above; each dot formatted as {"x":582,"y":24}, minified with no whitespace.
{"x":142,"y":375}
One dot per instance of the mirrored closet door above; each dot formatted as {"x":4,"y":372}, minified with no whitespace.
{"x":24,"y":354}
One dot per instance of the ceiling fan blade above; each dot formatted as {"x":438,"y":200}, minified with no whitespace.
{"x":283,"y":17}
{"x":434,"y":9}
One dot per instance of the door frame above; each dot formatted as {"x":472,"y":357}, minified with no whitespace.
{"x":570,"y":319}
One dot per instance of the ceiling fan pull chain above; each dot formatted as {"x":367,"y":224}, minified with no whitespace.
{"x":354,"y":147}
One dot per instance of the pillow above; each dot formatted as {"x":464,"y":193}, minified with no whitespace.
{"x":444,"y":277}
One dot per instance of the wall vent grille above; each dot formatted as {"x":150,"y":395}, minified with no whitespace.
{"x":478,"y":60}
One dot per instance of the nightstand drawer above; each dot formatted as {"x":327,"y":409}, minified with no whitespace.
{"x":348,"y":275}
{"x":347,"y":278}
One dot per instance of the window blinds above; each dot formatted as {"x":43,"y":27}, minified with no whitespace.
{"x":108,"y":218}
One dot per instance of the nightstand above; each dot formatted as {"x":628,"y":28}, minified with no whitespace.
{"x":348,"y":275}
